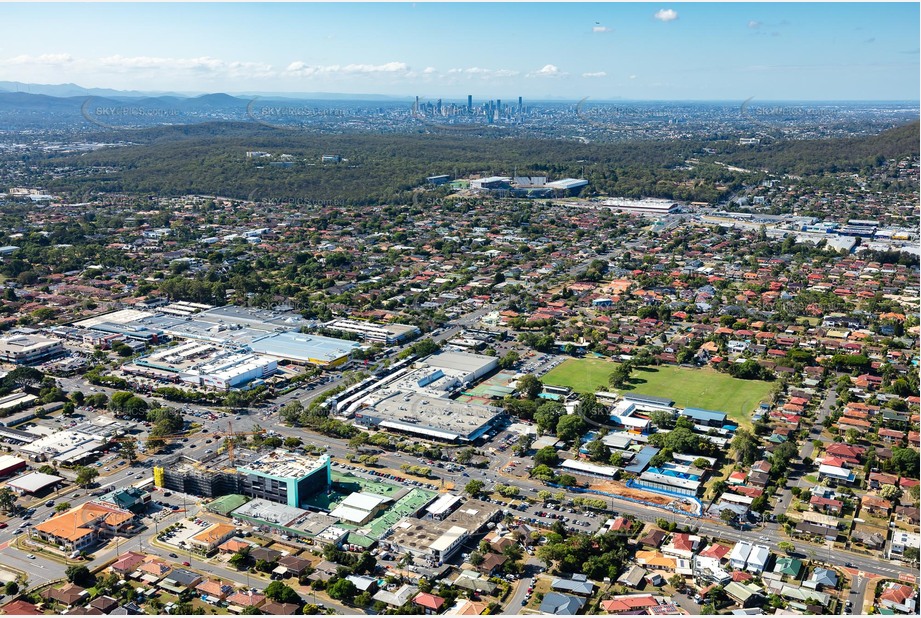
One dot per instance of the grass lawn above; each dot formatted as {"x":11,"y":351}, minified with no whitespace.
{"x":697,"y":388}
{"x":702,"y":388}
{"x":583,"y":375}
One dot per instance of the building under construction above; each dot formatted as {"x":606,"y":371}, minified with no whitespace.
{"x":279,"y":476}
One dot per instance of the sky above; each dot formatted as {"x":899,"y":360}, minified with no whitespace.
{"x":604,"y":51}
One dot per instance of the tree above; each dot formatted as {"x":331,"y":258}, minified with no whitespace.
{"x":745,"y":447}
{"x":129,"y":451}
{"x":548,"y":415}
{"x":476,"y":558}
{"x":509,"y":360}
{"x":11,"y":588}
{"x":676,"y":581}
{"x":530,"y":386}
{"x":728,"y":515}
{"x":7,"y":500}
{"x":523,"y":444}
{"x":546,"y":456}
{"x":542,"y":473}
{"x":86,"y":475}
{"x":905,"y":461}
{"x":513,"y":552}
{"x":570,"y":427}
{"x":890,"y":492}
{"x":786,"y":546}
{"x":619,"y":376}
{"x":240,"y":559}
{"x":590,"y":408}
{"x":283,"y":593}
{"x":598,"y":451}
{"x":342,"y":590}
{"x":474,"y":487}
{"x":662,"y":419}
{"x":79,"y":574}
{"x":61,"y":507}
{"x":363,"y":599}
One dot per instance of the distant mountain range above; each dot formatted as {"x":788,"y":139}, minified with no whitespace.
{"x":73,"y":90}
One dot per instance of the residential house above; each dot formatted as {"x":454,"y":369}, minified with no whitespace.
{"x":869,"y":539}
{"x":745,"y":595}
{"x":561,"y":604}
{"x":104,"y":604}
{"x":238,"y":602}
{"x":836,"y":475}
{"x":654,"y":561}
{"x":899,"y":597}
{"x":653,"y":538}
{"x":213,"y":591}
{"x":901,"y":541}
{"x":826,"y":505}
{"x":579,"y":584}
{"x":324,"y":571}
{"x":233,"y":546}
{"x":127,"y":563}
{"x":632,"y":577}
{"x":821,"y":578}
{"x":466,"y":607}
{"x":68,"y":594}
{"x":874,"y":505}
{"x":629,"y":603}
{"x":274,"y":608}
{"x":788,"y":567}
{"x":682,"y":545}
{"x":21,"y":608}
{"x":180,"y":580}
{"x":430,"y":603}
{"x":294,"y":565}
{"x":875,"y":480}
{"x":492,"y":564}
{"x":399,"y":597}
{"x":757,"y":559}
{"x":739,"y":556}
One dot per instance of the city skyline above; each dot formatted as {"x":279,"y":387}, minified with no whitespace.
{"x":682,"y":52}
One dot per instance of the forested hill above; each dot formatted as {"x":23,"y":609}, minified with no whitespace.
{"x":831,"y":155}
{"x":210,"y":158}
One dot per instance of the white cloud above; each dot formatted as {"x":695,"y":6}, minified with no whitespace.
{"x":601,"y":29}
{"x":484,"y":73}
{"x":428,"y":70}
{"x":633,"y":77}
{"x":754,"y":25}
{"x":666,"y":15}
{"x":595,"y":74}
{"x":302,"y":69}
{"x":548,"y":70}
{"x":44,"y":59}
{"x":204,"y":66}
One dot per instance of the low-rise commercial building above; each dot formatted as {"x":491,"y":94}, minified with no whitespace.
{"x":379,"y":333}
{"x":84,"y":525}
{"x":438,"y":541}
{"x":29,"y":349}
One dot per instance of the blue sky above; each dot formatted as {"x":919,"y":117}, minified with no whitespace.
{"x":655,"y":51}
